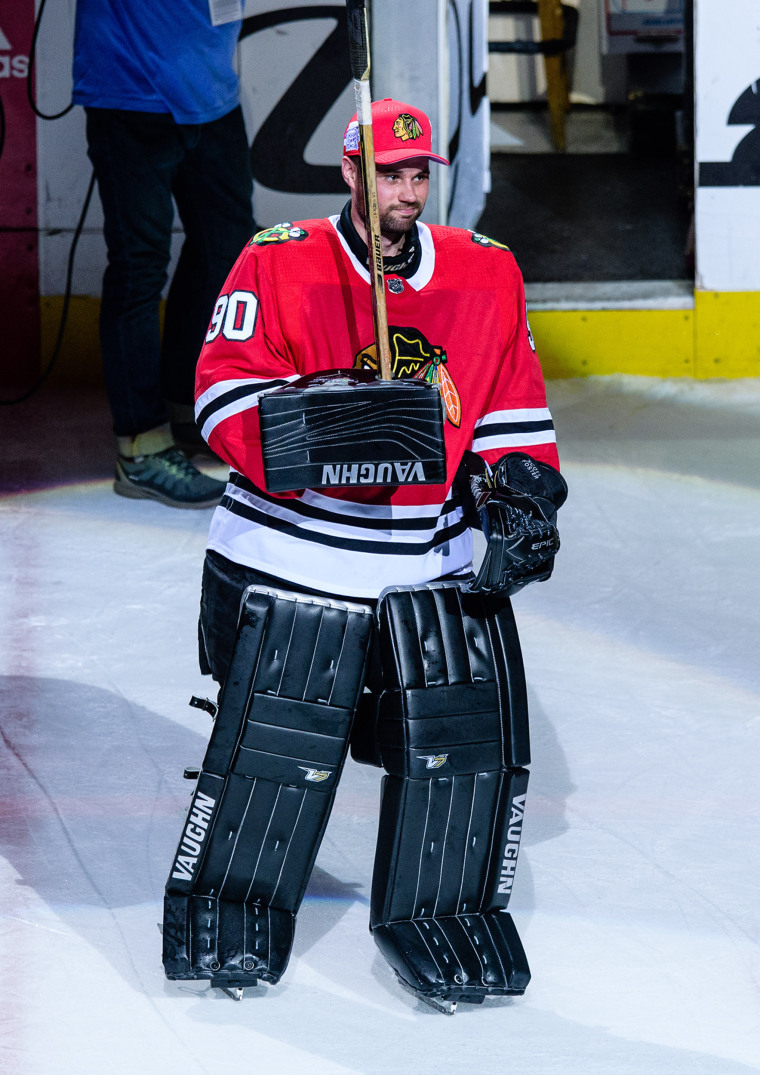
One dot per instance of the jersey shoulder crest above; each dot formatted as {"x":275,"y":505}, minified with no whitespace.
{"x":280,"y":233}
{"x":483,"y":240}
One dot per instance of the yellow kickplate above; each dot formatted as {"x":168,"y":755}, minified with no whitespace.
{"x":727,"y":340}
{"x":651,"y":343}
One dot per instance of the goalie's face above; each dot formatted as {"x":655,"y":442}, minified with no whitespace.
{"x":402,"y":190}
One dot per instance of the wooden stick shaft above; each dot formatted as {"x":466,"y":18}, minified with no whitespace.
{"x":358,"y":46}
{"x":372,"y":228}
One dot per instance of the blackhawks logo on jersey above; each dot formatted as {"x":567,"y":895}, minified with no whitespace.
{"x":413,"y":356}
{"x":280,"y":233}
{"x":483,"y":240}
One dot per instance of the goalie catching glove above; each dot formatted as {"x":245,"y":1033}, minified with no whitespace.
{"x":515,"y":505}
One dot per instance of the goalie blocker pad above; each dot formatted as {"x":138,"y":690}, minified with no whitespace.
{"x":266,"y":787}
{"x":453,"y":736}
{"x":348,"y":428}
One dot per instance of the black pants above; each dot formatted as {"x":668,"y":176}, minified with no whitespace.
{"x":142,"y":161}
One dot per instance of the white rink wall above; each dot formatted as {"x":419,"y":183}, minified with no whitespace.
{"x":727,"y":74}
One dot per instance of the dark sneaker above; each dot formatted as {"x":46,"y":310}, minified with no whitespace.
{"x":169,"y":477}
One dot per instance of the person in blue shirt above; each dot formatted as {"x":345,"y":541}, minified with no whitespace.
{"x":164,"y":126}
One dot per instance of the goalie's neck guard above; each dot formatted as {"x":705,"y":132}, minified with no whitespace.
{"x":405,"y":264}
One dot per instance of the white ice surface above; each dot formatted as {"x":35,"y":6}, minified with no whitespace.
{"x":637,"y":889}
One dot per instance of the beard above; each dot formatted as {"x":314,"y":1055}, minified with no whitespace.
{"x":393,"y":223}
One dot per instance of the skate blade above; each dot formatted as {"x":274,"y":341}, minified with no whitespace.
{"x":233,"y":989}
{"x":439,"y":1004}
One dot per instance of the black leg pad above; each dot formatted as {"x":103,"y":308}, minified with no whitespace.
{"x":457,"y":958}
{"x":453,"y":733}
{"x":454,"y":683}
{"x":266,"y":788}
{"x":235,"y":944}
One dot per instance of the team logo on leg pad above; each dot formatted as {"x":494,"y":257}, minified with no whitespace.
{"x":512,"y":846}
{"x":196,"y":829}
{"x":434,"y":761}
{"x":315,"y":775}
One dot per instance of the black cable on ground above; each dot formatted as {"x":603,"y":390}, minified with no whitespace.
{"x":30,"y":72}
{"x":66,"y":300}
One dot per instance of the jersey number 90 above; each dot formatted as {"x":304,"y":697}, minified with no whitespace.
{"x":234,"y":316}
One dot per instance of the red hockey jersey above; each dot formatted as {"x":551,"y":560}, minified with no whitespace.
{"x":298,"y":301}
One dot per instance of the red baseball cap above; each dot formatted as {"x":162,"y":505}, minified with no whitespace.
{"x":399,"y":132}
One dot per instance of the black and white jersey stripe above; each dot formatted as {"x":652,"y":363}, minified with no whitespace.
{"x":231,"y":397}
{"x":514,"y":430}
{"x":339,"y":545}
{"x":341,"y":524}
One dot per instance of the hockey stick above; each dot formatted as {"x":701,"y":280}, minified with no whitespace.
{"x":358,"y":44}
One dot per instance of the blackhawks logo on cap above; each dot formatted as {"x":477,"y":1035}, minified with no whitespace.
{"x":413,"y":356}
{"x":406,"y":127}
{"x":280,"y":233}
